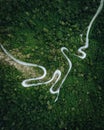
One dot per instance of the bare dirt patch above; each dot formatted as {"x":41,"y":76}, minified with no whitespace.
{"x":24,"y":69}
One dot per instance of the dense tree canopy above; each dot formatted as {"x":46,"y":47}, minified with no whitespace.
{"x":34,"y":31}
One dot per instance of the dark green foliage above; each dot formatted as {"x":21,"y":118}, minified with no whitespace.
{"x":40,"y":28}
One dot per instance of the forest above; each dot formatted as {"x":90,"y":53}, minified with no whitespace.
{"x":34,"y":31}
